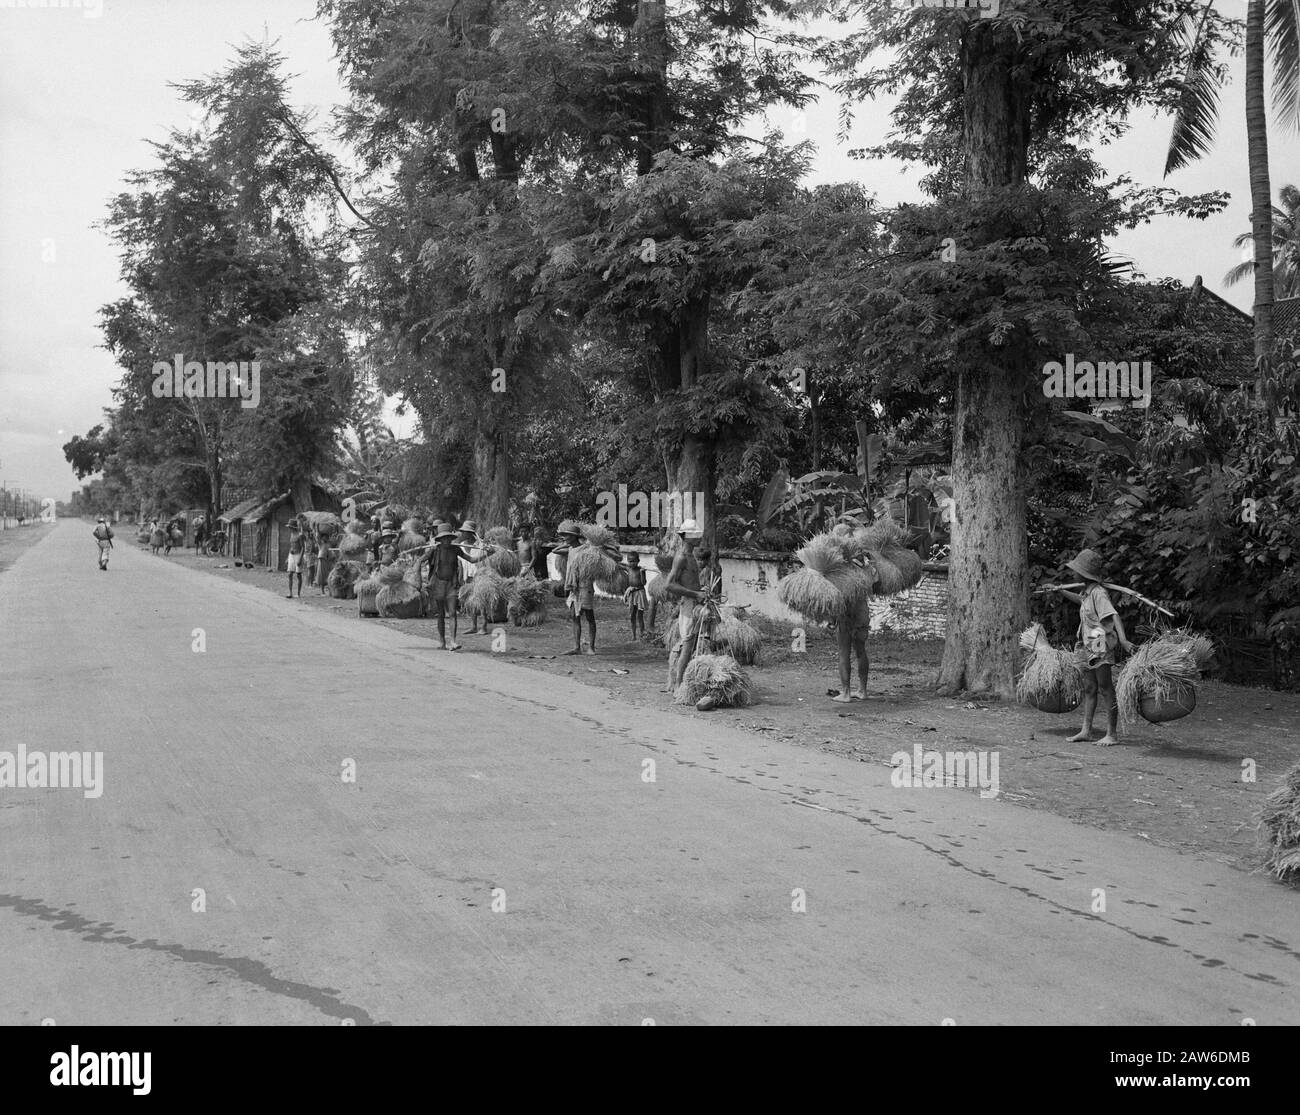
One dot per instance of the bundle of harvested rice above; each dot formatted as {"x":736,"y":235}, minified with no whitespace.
{"x":342,"y":580}
{"x":410,"y":571}
{"x":391,"y":574}
{"x":614,"y":585}
{"x":598,"y":535}
{"x":1279,"y":826}
{"x":504,"y":562}
{"x":589,"y":562}
{"x":1051,"y":680}
{"x":501,"y":536}
{"x":325,"y":524}
{"x":353,"y":546}
{"x":366,"y":590}
{"x":486,"y":593}
{"x":714,"y":681}
{"x":528,"y":602}
{"x":400,"y":600}
{"x":739,"y":639}
{"x":412,"y":524}
{"x":1158,"y":683}
{"x":655,"y":589}
{"x":817,"y":590}
{"x":897,"y":567}
{"x":1200,"y":647}
{"x":157,"y":538}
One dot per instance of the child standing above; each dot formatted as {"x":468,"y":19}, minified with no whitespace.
{"x":1100,"y":631}
{"x":635,"y":596}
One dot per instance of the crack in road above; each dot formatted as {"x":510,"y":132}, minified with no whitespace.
{"x":324,"y":999}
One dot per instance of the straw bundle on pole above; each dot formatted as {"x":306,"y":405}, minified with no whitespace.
{"x":1158,"y":682}
{"x":739,"y":639}
{"x":1279,"y":826}
{"x":817,"y":590}
{"x":342,"y":580}
{"x":325,"y":524}
{"x":1051,"y":680}
{"x":897,"y":567}
{"x":714,"y":681}
{"x":614,"y":585}
{"x":353,"y":545}
{"x":590,"y":563}
{"x":504,"y":562}
{"x":486,"y":592}
{"x":501,"y":536}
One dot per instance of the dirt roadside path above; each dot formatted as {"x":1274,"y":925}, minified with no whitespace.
{"x":1178,"y":785}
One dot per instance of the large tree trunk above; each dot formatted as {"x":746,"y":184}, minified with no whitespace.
{"x":490,"y":484}
{"x":1261,"y":192}
{"x":301,"y":492}
{"x":988,"y":602}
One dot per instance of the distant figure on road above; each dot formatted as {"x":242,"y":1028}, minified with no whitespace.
{"x":200,"y":538}
{"x":104,"y":536}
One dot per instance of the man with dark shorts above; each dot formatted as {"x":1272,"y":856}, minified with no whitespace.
{"x":444,"y":583}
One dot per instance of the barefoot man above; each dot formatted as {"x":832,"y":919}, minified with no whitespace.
{"x":1100,"y":631}
{"x":683,"y":585}
{"x":444,"y":583}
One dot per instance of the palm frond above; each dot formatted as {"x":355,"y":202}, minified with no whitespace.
{"x":1198,"y":104}
{"x":1282,"y":33}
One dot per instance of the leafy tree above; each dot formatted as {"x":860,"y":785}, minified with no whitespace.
{"x":1285,"y":245}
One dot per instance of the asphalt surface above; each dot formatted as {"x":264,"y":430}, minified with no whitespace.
{"x":481,"y":784}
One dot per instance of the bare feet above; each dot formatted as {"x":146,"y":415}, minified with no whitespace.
{"x":575,"y":650}
{"x":843,"y":698}
{"x":454,"y":646}
{"x":1080,"y":737}
{"x":588,"y":650}
{"x":1107,"y":741}
{"x":858,"y":695}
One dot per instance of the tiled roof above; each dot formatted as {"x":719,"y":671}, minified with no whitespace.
{"x":240,"y":510}
{"x":1286,"y":317}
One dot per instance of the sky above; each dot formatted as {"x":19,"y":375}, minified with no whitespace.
{"x":83,"y":89}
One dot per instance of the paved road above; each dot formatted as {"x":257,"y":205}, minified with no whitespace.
{"x":624,"y":899}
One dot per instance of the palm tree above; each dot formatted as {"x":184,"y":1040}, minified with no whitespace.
{"x":1286,"y":247}
{"x":1277,"y":23}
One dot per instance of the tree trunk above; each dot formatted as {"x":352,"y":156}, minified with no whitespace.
{"x":1261,"y":192}
{"x":651,"y":34}
{"x":301,"y":492}
{"x":490,"y":484}
{"x":988,"y":598}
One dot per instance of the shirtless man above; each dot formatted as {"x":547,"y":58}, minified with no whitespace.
{"x":683,"y":585}
{"x":444,"y":582}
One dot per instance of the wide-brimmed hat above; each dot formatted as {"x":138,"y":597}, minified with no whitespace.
{"x":444,"y":531}
{"x":691,"y":529}
{"x":568,"y":527}
{"x":100,"y":519}
{"x":469,"y":526}
{"x":1087,"y":565}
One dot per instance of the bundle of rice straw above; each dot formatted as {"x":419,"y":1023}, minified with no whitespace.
{"x":1201,"y":647}
{"x":487,"y":593}
{"x":1279,"y":825}
{"x":669,"y":547}
{"x":590,"y":561}
{"x":325,"y":524}
{"x":897,"y":567}
{"x":1051,"y":679}
{"x":595,"y":534}
{"x":342,"y":579}
{"x":716,"y":679}
{"x":1158,"y":682}
{"x":528,"y":601}
{"x":826,"y":585}
{"x":410,"y":571}
{"x":615,"y":585}
{"x":391,"y":574}
{"x":504,"y":562}
{"x":353,"y":545}
{"x":399,"y":600}
{"x":655,"y":589}
{"x":739,"y":639}
{"x":367,"y":589}
{"x":501,"y":536}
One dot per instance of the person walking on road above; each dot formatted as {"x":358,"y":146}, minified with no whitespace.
{"x":297,"y":554}
{"x":104,"y":536}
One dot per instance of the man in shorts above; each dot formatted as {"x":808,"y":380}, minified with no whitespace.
{"x":297,"y":554}
{"x":444,"y":583}
{"x":683,"y":585}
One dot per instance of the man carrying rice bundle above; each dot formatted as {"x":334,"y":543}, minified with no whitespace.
{"x":683,"y":585}
{"x":1100,"y":631}
{"x":583,"y":566}
{"x":444,"y":583}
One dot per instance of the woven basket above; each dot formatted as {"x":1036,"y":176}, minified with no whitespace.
{"x":1174,"y":707}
